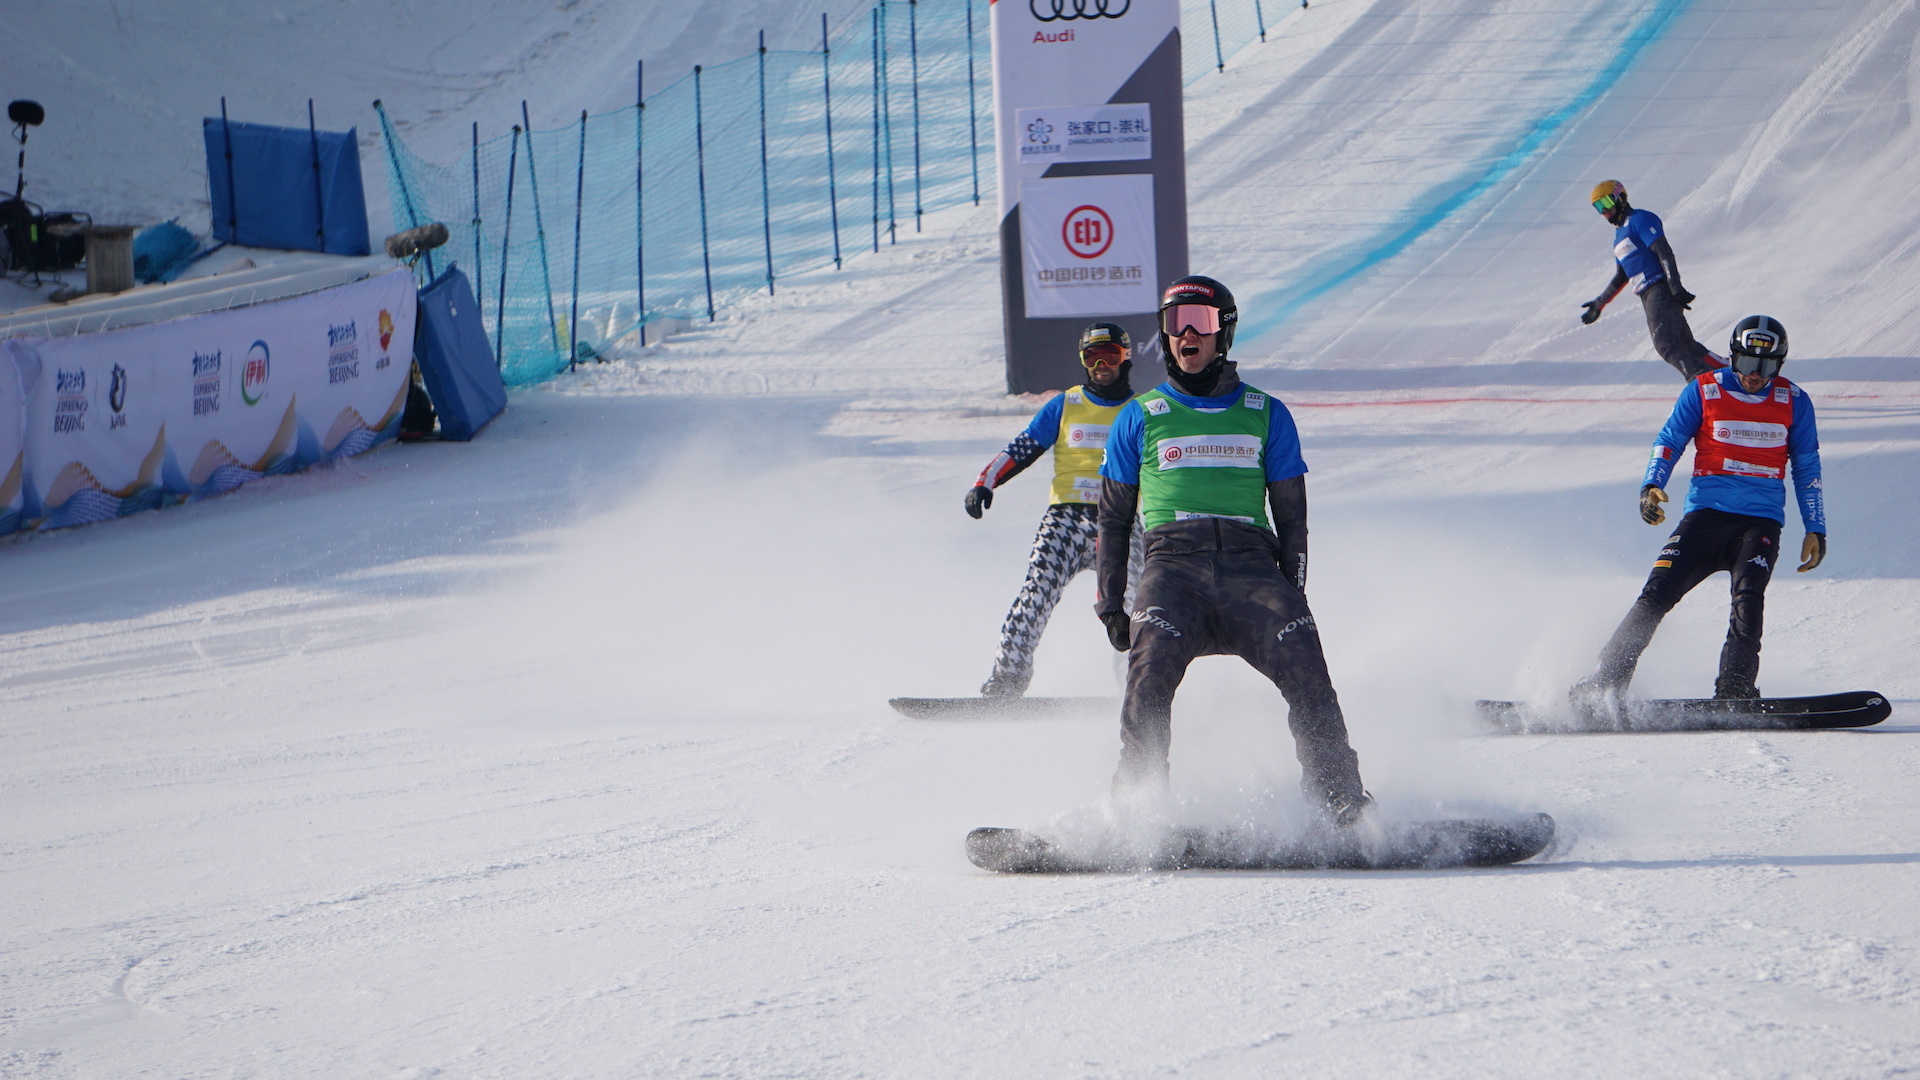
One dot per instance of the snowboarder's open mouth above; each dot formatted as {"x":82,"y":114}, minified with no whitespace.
{"x":1189,"y":350}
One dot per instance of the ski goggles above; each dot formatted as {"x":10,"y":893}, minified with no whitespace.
{"x":1606,"y":203}
{"x":1748,"y":364}
{"x":1106,"y":352}
{"x":1199,"y":318}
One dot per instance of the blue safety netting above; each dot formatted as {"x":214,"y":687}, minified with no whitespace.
{"x":725,"y":182}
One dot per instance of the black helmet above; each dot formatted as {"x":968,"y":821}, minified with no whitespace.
{"x":1104,"y":333}
{"x":1198,"y":289}
{"x":1758,"y":346}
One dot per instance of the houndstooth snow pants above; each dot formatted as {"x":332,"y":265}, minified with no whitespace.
{"x":1062,"y":547}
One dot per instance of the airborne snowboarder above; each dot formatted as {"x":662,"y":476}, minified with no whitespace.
{"x":1205,"y":459}
{"x":1747,"y":425}
{"x":1074,"y":424}
{"x":1644,"y":260}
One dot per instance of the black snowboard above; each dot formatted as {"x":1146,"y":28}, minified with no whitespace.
{"x":1861,"y":708}
{"x":1002,"y":708}
{"x":1418,"y":845}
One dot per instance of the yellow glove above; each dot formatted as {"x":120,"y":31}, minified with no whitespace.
{"x":1650,"y":499}
{"x":1812,"y":550}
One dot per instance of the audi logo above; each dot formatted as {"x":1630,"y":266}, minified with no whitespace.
{"x":1069,"y":10}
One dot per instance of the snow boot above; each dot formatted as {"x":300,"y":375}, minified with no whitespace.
{"x":1597,"y":695}
{"x":1000,"y":685}
{"x":1345,"y":811}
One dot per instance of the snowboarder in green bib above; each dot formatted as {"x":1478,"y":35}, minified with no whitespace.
{"x":1213,"y":467}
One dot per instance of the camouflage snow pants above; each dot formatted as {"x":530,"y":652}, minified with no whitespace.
{"x":1211,"y":586}
{"x":1063,"y":546}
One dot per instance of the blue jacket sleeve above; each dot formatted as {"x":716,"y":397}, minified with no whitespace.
{"x":1673,"y":439}
{"x":1283,"y":444}
{"x":1124,"y":440}
{"x":1044,"y":428}
{"x":1803,"y":451}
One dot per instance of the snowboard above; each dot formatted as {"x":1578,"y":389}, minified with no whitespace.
{"x":1860,"y":708}
{"x":1418,"y":845}
{"x":1002,"y":708}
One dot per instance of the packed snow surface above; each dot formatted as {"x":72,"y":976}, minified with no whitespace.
{"x":565,"y":752}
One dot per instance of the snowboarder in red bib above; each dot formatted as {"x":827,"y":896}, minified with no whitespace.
{"x":1208,"y":461}
{"x":1748,"y":426}
{"x":1644,"y":260}
{"x":1074,"y":425}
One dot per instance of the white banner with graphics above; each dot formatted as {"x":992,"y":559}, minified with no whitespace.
{"x":1049,"y":136}
{"x":13,"y":431}
{"x":1087,"y":245}
{"x":1090,"y":140}
{"x":126,"y":420}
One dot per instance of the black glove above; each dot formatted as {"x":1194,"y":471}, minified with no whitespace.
{"x":1119,"y":629}
{"x":1684,"y":298}
{"x":1591,"y":314}
{"x":978,"y":499}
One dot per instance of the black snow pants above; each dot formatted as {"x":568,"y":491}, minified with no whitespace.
{"x":1672,"y":336}
{"x":1212,"y":586}
{"x":1704,"y":543}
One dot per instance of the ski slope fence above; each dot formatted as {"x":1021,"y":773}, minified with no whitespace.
{"x":735,"y":176}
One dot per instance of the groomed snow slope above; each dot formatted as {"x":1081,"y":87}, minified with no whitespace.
{"x":565,"y":752}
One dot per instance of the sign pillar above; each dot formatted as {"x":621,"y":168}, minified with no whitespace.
{"x":1091,"y":145}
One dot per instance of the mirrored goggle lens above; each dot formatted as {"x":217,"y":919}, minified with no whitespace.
{"x":1202,"y":319}
{"x":1605,"y":203}
{"x":1104,"y":353}
{"x":1748,"y":364}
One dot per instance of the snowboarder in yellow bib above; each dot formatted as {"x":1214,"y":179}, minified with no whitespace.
{"x":1213,"y":467}
{"x":1074,"y":425}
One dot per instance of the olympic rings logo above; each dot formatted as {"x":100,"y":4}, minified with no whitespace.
{"x":1069,"y":10}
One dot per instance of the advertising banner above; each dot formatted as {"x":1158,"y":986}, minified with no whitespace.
{"x":126,"y":420}
{"x":13,"y":430}
{"x":1087,"y":246}
{"x":1090,"y":140}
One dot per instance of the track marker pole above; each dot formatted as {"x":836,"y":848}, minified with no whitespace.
{"x":700,"y":154}
{"x":579,"y":203}
{"x":319,"y":191}
{"x":766,"y":204}
{"x":1214,"y":9}
{"x":826,"y":88}
{"x":506,"y":247}
{"x":233,"y":193}
{"x":973,"y":113}
{"x":640,"y":195}
{"x":913,"y":52}
{"x":479,"y":270}
{"x":540,"y":229}
{"x":886,"y":123}
{"x":873,"y":41}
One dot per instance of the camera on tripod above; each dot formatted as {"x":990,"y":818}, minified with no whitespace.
{"x":32,"y":240}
